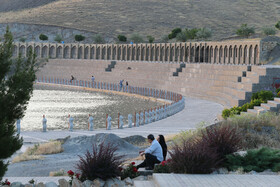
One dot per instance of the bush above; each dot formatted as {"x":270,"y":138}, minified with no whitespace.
{"x":130,"y":171}
{"x":245,"y":31}
{"x":164,"y":39}
{"x":226,"y":113}
{"x":193,"y":157}
{"x":255,"y":160}
{"x":150,"y":39}
{"x":181,"y":37}
{"x":58,"y":38}
{"x":98,"y":39}
{"x":79,"y":37}
{"x":43,"y":37}
{"x":22,"y":39}
{"x":204,"y":33}
{"x":174,"y":33}
{"x":103,"y":163}
{"x":278,"y":25}
{"x":122,"y":38}
{"x":263,"y":96}
{"x":223,"y":139}
{"x":268,"y":31}
{"x":191,"y":33}
{"x":136,"y":38}
{"x":163,"y":167}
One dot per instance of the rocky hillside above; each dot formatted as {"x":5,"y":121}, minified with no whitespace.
{"x":146,"y":17}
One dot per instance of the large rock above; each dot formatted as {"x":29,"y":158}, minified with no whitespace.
{"x":51,"y":184}
{"x":114,"y":183}
{"x":98,"y":183}
{"x":63,"y":183}
{"x":87,"y":183}
{"x":17,"y":184}
{"x":76,"y":183}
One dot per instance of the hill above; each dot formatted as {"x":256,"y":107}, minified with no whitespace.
{"x":146,"y":17}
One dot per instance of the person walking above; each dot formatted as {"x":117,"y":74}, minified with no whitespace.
{"x":153,"y":154}
{"x":121,"y":84}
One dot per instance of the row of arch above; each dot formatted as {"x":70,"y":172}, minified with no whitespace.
{"x":212,"y":52}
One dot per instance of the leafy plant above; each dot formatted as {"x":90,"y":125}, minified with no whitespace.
{"x":204,"y":33}
{"x":102,"y":163}
{"x":22,"y":39}
{"x":263,"y":96}
{"x":58,"y":38}
{"x":31,"y":181}
{"x":164,"y":39}
{"x":122,"y":38}
{"x":98,"y":39}
{"x":174,"y":33}
{"x":130,"y":171}
{"x":6,"y":182}
{"x":181,"y":37}
{"x":136,"y":38}
{"x":79,"y":37}
{"x":257,"y":160}
{"x":245,"y":31}
{"x":150,"y":39}
{"x":71,"y":174}
{"x":278,"y":25}
{"x":43,"y":37}
{"x":191,"y":33}
{"x":163,"y":167}
{"x":268,"y":31}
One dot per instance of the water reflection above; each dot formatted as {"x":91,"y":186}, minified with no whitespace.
{"x":57,"y":102}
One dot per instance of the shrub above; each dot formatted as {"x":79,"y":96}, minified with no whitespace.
{"x":122,"y":38}
{"x":278,"y":25}
{"x":245,"y":31}
{"x":193,"y":157}
{"x":223,"y":139}
{"x":181,"y":37}
{"x":73,"y":175}
{"x":257,"y":160}
{"x":102,"y":163}
{"x":191,"y":33}
{"x":43,"y":37}
{"x":79,"y":37}
{"x":268,"y":31}
{"x":164,"y":39}
{"x":263,"y":96}
{"x":278,"y":94}
{"x":130,"y":171}
{"x":22,"y":39}
{"x":98,"y":39}
{"x":163,"y":167}
{"x":204,"y":33}
{"x":150,"y":39}
{"x":226,"y":113}
{"x":6,"y":182}
{"x":58,"y":38}
{"x":136,"y":38}
{"x":174,"y":33}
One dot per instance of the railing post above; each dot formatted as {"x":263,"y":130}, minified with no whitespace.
{"x":106,"y":121}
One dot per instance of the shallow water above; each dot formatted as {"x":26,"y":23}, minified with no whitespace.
{"x":57,"y":102}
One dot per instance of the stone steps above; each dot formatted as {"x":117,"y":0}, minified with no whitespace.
{"x":273,"y":106}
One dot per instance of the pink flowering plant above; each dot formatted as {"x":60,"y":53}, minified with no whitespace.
{"x":130,"y":171}
{"x":163,"y":167}
{"x":73,"y":175}
{"x":6,"y":182}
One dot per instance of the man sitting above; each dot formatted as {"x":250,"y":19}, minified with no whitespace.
{"x":153,"y":154}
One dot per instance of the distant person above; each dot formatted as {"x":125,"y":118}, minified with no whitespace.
{"x":121,"y":84}
{"x":153,"y":154}
{"x":92,"y":79}
{"x":70,"y":125}
{"x":44,"y":122}
{"x":90,"y":123}
{"x":161,"y":141}
{"x":126,"y":83}
{"x":72,"y":78}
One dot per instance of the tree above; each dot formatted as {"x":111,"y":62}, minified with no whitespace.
{"x":22,"y":40}
{"x":278,"y":25}
{"x":174,"y":33}
{"x":268,"y":31}
{"x":16,"y":86}
{"x":245,"y":31}
{"x":58,"y":38}
{"x":98,"y":39}
{"x":79,"y":37}
{"x":122,"y":38}
{"x":191,"y":33}
{"x":43,"y":37}
{"x":150,"y":39}
{"x":203,"y":33}
{"x":136,"y":38}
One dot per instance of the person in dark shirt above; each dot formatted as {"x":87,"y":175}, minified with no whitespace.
{"x":161,"y":141}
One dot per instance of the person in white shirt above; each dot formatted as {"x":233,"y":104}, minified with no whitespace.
{"x":153,"y":154}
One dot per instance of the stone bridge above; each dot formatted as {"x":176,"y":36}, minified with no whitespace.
{"x":226,"y":52}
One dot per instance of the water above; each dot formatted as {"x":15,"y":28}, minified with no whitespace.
{"x":57,"y":102}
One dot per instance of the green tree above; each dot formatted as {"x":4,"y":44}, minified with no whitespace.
{"x":191,"y":33}
{"x":22,"y":39}
{"x":43,"y":37}
{"x":136,"y":38}
{"x":79,"y":37}
{"x":174,"y":33}
{"x":204,"y":33}
{"x":122,"y":38}
{"x":16,"y":86}
{"x":278,"y":25}
{"x":58,"y":38}
{"x":268,"y":31}
{"x":245,"y":31}
{"x":150,"y":39}
{"x":98,"y":39}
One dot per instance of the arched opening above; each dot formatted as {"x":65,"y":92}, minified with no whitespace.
{"x":201,"y":59}
{"x":187,"y":54}
{"x":215,"y":54}
{"x":234,"y":54}
{"x":98,"y":50}
{"x":157,"y":54}
{"x":59,"y":52}
{"x":152,"y":53}
{"x":109,"y":55}
{"x":147,"y":53}
{"x":80,"y":53}
{"x":207,"y":55}
{"x":192,"y":59}
{"x":220,"y":55}
{"x":255,"y":54}
{"x":240,"y":55}
{"x":166,"y":53}
{"x":74,"y":52}
{"x":103,"y":53}
{"x":138,"y":54}
{"x":172,"y":54}
{"x":52,"y":52}
{"x":196,"y":54}
{"x":245,"y":55}
{"x":22,"y":51}
{"x":250,"y":54}
{"x":45,"y":52}
{"x":211,"y":55}
{"x":86,"y":53}
{"x":92,"y":53}
{"x":114,"y":53}
{"x":225,"y":55}
{"x":66,"y":52}
{"x":15,"y":51}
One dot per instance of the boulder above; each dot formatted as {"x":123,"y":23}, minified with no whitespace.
{"x":87,"y":183}
{"x":128,"y":181}
{"x":76,"y":183}
{"x":114,"y":183}
{"x":17,"y":184}
{"x":41,"y":184}
{"x":63,"y":183}
{"x":98,"y":183}
{"x":51,"y":184}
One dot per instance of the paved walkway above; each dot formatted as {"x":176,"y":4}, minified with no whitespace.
{"x":195,"y":112}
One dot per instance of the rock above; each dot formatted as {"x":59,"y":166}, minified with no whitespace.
{"x":252,"y":173}
{"x":76,"y":183}
{"x":268,"y":172}
{"x":87,"y":183}
{"x":17,"y":184}
{"x":222,"y":171}
{"x":114,"y":183}
{"x":41,"y":184}
{"x":51,"y":184}
{"x":63,"y":183}
{"x":128,"y":181}
{"x":139,"y":178}
{"x":99,"y":183}
{"x":241,"y":153}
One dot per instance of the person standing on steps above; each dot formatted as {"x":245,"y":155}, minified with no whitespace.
{"x":153,"y":154}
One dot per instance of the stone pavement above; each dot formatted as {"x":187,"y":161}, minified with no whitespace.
{"x":195,"y":112}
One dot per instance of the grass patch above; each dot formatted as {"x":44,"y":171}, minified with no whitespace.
{"x":36,"y":152}
{"x":61,"y":172}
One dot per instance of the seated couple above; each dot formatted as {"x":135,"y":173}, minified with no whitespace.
{"x":154,"y":154}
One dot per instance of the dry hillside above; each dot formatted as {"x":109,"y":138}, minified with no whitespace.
{"x":147,"y":17}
